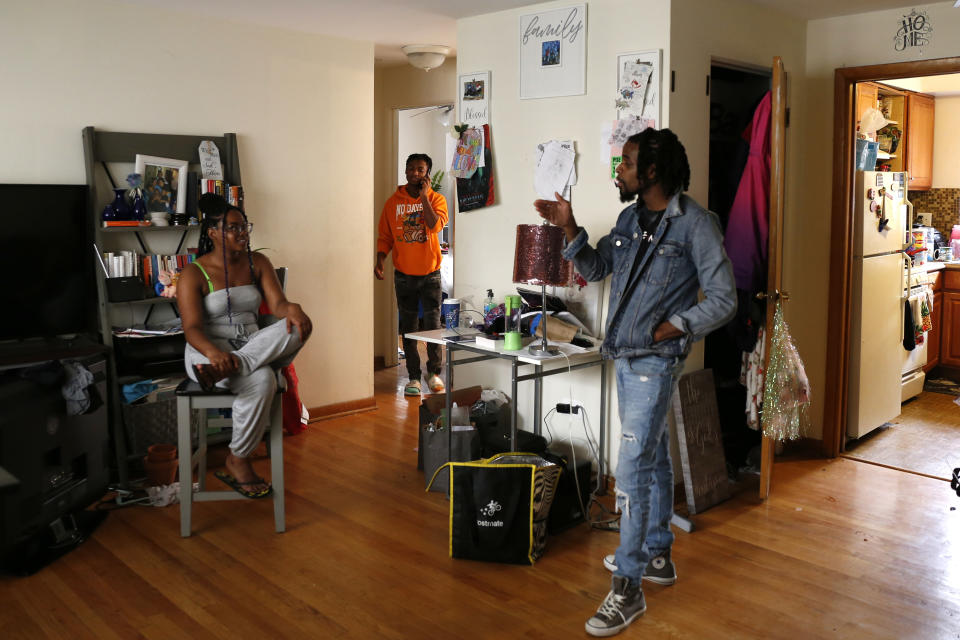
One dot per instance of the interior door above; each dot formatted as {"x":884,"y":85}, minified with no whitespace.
{"x":775,"y":292}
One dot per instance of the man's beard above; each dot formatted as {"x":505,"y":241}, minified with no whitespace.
{"x":627,"y":196}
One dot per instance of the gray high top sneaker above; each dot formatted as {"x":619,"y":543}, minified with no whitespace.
{"x":660,"y":569}
{"x":622,"y":605}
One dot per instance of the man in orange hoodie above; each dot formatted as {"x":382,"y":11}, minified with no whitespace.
{"x":409,"y":225}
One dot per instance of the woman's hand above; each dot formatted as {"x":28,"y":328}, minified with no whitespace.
{"x":297,"y":318}
{"x":224,"y":364}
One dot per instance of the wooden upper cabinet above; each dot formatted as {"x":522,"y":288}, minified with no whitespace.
{"x":920,"y":140}
{"x":867,"y":95}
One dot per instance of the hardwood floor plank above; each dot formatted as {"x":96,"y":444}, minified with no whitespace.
{"x":842,"y":549}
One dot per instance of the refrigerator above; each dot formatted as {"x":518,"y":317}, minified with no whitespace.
{"x":877,"y":323}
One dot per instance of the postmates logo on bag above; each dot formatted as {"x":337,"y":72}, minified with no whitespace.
{"x":488,"y":511}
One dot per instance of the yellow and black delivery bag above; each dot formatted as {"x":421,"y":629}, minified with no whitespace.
{"x":499,"y":507}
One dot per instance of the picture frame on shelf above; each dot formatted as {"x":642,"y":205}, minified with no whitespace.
{"x":164,"y":183}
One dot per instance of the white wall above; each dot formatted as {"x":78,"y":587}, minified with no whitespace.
{"x":848,"y":41}
{"x":300,"y":104}
{"x":485,"y":237}
{"x":946,"y":144}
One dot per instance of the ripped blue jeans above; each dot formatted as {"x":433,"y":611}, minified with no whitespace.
{"x":644,"y":473}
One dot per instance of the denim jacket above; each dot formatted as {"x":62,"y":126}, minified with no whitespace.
{"x":685,"y":255}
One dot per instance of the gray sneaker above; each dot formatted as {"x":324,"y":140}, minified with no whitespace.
{"x":622,"y":605}
{"x":660,"y":570}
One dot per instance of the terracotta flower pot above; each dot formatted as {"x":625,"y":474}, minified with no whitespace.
{"x":161,"y":473}
{"x":160,"y":452}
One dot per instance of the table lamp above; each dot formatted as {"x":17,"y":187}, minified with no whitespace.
{"x":538,"y":260}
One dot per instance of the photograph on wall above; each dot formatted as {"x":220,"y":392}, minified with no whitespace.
{"x":553,"y":52}
{"x":550,"y":56}
{"x":476,"y":191}
{"x":473,"y":90}
{"x":164,"y":183}
{"x":474,"y":98}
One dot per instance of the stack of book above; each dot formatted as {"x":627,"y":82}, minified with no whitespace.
{"x":233,"y":193}
{"x":153,"y":264}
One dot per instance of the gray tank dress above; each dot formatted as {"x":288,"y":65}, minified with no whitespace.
{"x":262,"y":352}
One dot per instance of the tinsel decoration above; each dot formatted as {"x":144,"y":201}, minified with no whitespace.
{"x":786,"y":394}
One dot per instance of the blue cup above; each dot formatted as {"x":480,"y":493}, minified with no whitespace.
{"x":450,"y":310}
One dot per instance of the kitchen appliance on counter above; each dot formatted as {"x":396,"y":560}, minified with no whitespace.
{"x":877,"y":319}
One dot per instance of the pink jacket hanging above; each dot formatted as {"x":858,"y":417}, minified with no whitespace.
{"x":748,"y":225}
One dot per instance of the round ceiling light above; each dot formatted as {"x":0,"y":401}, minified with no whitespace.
{"x":426,"y":56}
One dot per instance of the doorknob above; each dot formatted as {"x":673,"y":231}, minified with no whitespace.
{"x":773,"y":295}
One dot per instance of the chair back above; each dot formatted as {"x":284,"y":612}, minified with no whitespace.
{"x":282,"y":277}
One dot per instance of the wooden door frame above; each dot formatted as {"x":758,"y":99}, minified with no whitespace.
{"x":841,"y":231}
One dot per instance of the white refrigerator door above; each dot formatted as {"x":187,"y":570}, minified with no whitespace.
{"x":870,"y":206}
{"x":876,"y":344}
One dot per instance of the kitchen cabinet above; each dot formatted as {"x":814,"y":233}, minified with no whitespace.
{"x":867,"y":93}
{"x":936,"y":316}
{"x":919,"y":133}
{"x":950,"y":321}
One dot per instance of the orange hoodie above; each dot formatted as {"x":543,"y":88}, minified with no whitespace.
{"x":416,"y":250}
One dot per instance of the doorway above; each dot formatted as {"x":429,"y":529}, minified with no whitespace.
{"x":925,"y":430}
{"x":422,"y":130}
{"x":735,"y":92}
{"x":924,"y":433}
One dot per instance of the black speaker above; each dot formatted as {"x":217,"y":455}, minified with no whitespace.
{"x":566,"y":510}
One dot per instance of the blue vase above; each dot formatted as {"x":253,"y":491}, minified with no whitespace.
{"x":124,"y":211}
{"x":109,"y":214}
{"x":139,"y":208}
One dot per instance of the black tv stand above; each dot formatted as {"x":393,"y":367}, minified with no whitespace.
{"x":61,"y":536}
{"x":58,"y":462}
{"x":32,"y":350}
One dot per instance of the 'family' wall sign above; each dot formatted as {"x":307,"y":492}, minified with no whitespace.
{"x":553,"y":52}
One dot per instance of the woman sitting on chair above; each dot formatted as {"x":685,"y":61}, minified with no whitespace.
{"x":218,"y":296}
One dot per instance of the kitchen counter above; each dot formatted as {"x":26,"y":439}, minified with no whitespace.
{"x":932,"y":267}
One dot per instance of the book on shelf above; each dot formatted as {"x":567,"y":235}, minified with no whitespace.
{"x":153,"y":264}
{"x":126,"y":223}
{"x":232,"y":193}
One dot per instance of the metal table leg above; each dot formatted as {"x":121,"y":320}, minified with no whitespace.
{"x":601,"y":467}
{"x":513,"y":408}
{"x":538,"y":400}
{"x":448,"y":352}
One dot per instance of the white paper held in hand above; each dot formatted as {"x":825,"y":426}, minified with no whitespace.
{"x":553,"y":171}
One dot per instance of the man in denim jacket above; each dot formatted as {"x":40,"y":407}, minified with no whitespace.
{"x":663,"y":250}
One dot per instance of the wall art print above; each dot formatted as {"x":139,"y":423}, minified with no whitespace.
{"x":553,"y":52}
{"x":913,"y":31}
{"x":473,"y":98}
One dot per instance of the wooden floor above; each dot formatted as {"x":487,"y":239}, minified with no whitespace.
{"x":924,"y":438}
{"x":842,"y":549}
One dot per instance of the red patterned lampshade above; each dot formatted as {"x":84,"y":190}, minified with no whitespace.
{"x":538,"y":257}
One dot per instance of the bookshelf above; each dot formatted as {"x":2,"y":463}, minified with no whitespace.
{"x":100,"y":150}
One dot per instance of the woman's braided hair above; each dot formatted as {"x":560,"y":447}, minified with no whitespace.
{"x":215,"y":209}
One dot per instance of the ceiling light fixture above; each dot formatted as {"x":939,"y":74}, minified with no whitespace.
{"x":426,"y":56}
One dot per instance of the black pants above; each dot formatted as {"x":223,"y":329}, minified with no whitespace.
{"x":426,"y":291}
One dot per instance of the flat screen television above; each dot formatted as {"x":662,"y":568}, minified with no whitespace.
{"x":46,"y":252}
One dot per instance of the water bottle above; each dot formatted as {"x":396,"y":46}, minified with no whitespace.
{"x":488,"y":302}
